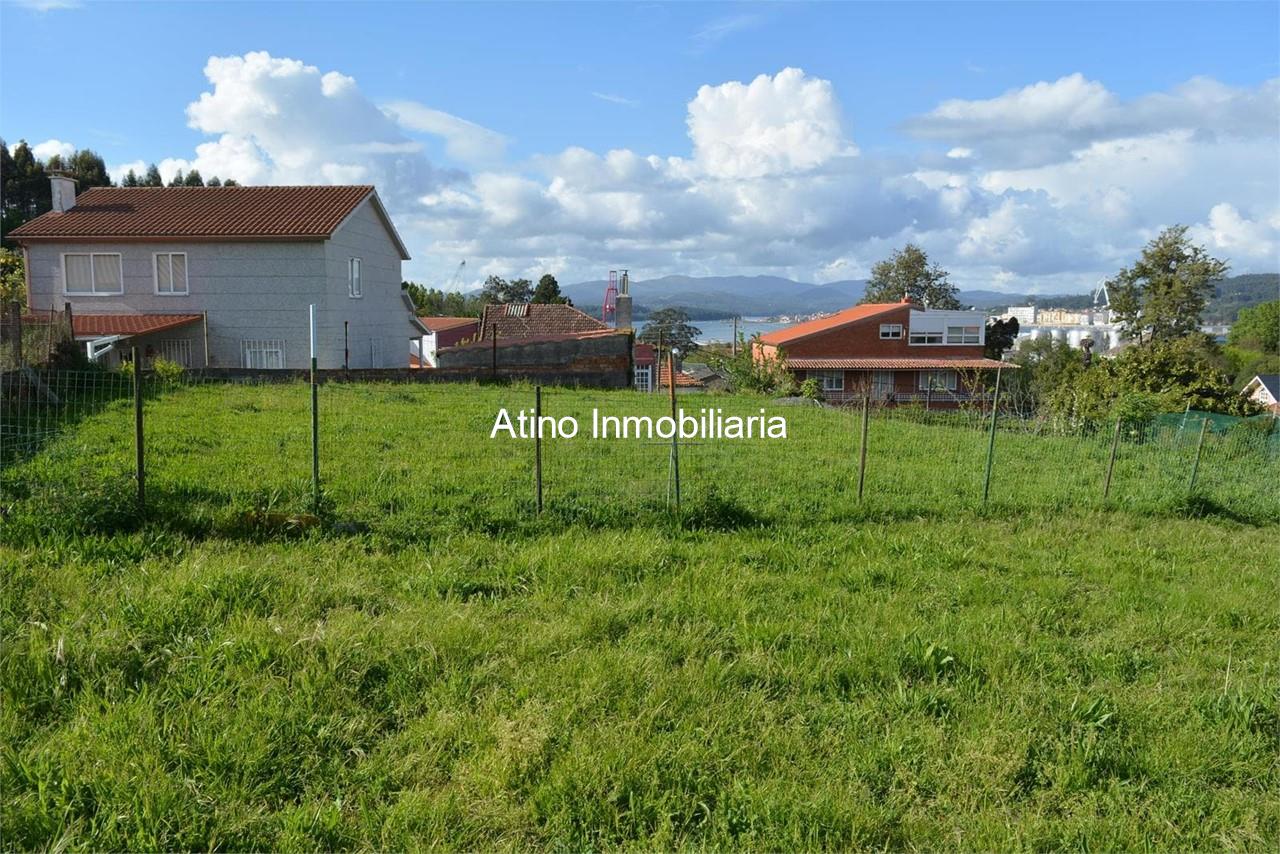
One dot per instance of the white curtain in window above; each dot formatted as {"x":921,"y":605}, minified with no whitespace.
{"x":79,"y":273}
{"x":164,"y":280}
{"x":178,"y":268}
{"x":106,"y":274}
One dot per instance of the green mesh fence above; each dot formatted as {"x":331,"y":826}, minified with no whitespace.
{"x":414,"y":457}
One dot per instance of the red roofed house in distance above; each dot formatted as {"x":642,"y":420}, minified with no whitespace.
{"x":223,"y":276}
{"x":896,"y":352}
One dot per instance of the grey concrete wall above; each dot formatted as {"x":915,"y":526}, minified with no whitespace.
{"x":380,"y":316}
{"x":258,"y":290}
{"x":250,"y":290}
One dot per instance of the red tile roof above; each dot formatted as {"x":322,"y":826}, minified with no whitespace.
{"x":262,"y":213}
{"x":519,"y":340}
{"x":440,"y":324}
{"x":822,"y":324}
{"x":683,"y":380}
{"x":898,"y":364}
{"x":522,"y":320}
{"x":98,"y":325}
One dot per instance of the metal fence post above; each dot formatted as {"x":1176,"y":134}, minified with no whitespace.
{"x":1195,"y":466}
{"x":991,"y":441}
{"x":1111,"y":463}
{"x":862,"y":445}
{"x":315,"y":420}
{"x":675,"y":429}
{"x":138,"y":433}
{"x":537,"y":444}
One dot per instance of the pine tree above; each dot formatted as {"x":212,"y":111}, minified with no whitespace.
{"x":152,"y":178}
{"x":193,"y":179}
{"x":908,"y":275}
{"x":1163,"y":295}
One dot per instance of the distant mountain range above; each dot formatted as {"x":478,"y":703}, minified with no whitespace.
{"x":716,"y":297}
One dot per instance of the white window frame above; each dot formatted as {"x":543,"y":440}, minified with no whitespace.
{"x":643,"y":378}
{"x":355,"y":278}
{"x":186,"y":274}
{"x":829,"y":380}
{"x":93,"y":291}
{"x":890,"y":331}
{"x":947,"y":380}
{"x":263,"y":347}
{"x":924,"y":337}
{"x":963,"y":335}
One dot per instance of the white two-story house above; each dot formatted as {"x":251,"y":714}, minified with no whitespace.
{"x":223,"y":277}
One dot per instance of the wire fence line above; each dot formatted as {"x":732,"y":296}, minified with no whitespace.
{"x":407,"y":458}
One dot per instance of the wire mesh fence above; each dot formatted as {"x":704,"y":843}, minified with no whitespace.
{"x":410,"y":458}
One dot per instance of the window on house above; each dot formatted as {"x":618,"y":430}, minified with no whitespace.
{"x":890,"y":330}
{"x":964,"y":335}
{"x":830,"y":380}
{"x":925,"y":338}
{"x":937,"y":380}
{"x":94,"y":273}
{"x":261,"y":354}
{"x":354,"y":286}
{"x":644,"y":378}
{"x":882,"y":384}
{"x":171,"y":273}
{"x":174,"y":350}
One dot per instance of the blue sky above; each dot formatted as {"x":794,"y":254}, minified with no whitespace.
{"x":503,"y":117}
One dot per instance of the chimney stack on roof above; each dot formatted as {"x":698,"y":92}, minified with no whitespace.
{"x":63,"y":188}
{"x":622,"y":314}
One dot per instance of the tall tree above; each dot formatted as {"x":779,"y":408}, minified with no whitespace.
{"x":193,"y":179}
{"x":672,"y":326}
{"x":152,"y":178}
{"x":548,"y":292}
{"x":178,"y":179}
{"x":213,"y":182}
{"x":131,"y":179}
{"x":1258,"y":328}
{"x":498,"y":289}
{"x":1163,"y":295}
{"x":908,"y":274}
{"x":88,"y":169}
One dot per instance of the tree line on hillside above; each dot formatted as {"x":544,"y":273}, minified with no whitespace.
{"x":434,"y":302}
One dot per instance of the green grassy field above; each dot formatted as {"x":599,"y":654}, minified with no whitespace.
{"x":784,"y":666}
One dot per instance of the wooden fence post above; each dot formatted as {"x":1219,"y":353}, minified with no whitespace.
{"x":991,"y":440}
{"x":1111,"y":463}
{"x":862,"y":445}
{"x":1195,"y":466}
{"x":315,"y":421}
{"x":139,"y":460}
{"x":537,"y":444}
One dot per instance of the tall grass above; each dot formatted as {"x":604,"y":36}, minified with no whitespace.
{"x":435,"y":666}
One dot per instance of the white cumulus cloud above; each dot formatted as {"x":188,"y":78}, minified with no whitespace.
{"x":50,"y":147}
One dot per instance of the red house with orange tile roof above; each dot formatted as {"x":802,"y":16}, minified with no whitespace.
{"x":894,"y":352}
